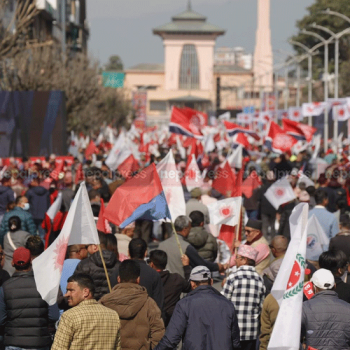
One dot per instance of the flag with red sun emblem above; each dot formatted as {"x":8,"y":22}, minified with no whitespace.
{"x":341,"y":113}
{"x":226,"y":211}
{"x":79,"y":228}
{"x":193,"y":176}
{"x":279,"y":193}
{"x":295,"y":114}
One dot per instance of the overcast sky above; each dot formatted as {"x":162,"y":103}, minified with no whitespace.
{"x":124,"y":27}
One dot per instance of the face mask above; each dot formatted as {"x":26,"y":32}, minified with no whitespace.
{"x":26,"y":206}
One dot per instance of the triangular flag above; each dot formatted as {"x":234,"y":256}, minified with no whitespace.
{"x":236,"y":158}
{"x":55,"y":207}
{"x":226,"y":211}
{"x":128,"y":167}
{"x":289,"y":283}
{"x":192,"y":177}
{"x":79,"y":228}
{"x":170,"y":179}
{"x":279,"y":193}
{"x":91,"y":149}
{"x":103,"y":224}
{"x":119,"y":152}
{"x":225,"y":180}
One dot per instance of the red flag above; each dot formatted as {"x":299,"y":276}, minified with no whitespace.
{"x":250,"y":184}
{"x":128,"y":167}
{"x":227,"y":234}
{"x":90,"y":149}
{"x":237,"y":192}
{"x":184,"y":121}
{"x":243,"y":140}
{"x":298,"y":130}
{"x":58,"y":169}
{"x":277,"y":140}
{"x":102,"y":224}
{"x":225,"y":181}
{"x":79,"y":175}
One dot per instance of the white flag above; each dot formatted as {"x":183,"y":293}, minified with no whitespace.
{"x":171,"y":182}
{"x":313,"y":109}
{"x":226,"y":211}
{"x":265,"y":117}
{"x":317,"y":143}
{"x":193,"y":176}
{"x":245,"y":118}
{"x":307,"y":181}
{"x":180,"y":148}
{"x":209,"y":144}
{"x":289,"y":283}
{"x":55,"y":207}
{"x":225,"y":116}
{"x":341,"y":113}
{"x":317,"y":240}
{"x":279,"y":193}
{"x":118,"y":153}
{"x":236,"y":158}
{"x":295,"y":114}
{"x":79,"y":228}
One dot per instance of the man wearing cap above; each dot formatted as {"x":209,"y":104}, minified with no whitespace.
{"x":22,"y":310}
{"x":256,"y":240}
{"x":246,"y":290}
{"x":195,"y":204}
{"x":325,"y":318}
{"x":204,"y":319}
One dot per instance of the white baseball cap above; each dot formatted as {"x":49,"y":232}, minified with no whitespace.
{"x":323,"y":279}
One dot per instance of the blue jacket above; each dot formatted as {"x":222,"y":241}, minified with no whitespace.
{"x":39,"y":200}
{"x":205,"y":320}
{"x":6,"y":196}
{"x":27,"y":223}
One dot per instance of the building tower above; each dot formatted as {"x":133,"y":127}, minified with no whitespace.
{"x":263,"y":59}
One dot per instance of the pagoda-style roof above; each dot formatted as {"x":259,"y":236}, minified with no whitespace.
{"x":189,"y":22}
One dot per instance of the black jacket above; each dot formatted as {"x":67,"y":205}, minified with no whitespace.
{"x":93,"y":266}
{"x":174,"y":285}
{"x":150,"y":279}
{"x":342,"y":289}
{"x":204,"y":319}
{"x":6,"y":196}
{"x":39,"y":200}
{"x":27,"y":313}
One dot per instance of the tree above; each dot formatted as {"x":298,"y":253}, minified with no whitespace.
{"x":335,"y":24}
{"x":88,"y":103}
{"x":115,"y":64}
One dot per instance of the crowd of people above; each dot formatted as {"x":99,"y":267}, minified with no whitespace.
{"x":151,"y":288}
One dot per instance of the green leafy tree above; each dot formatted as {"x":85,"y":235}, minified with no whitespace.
{"x":336,"y":25}
{"x":115,"y":64}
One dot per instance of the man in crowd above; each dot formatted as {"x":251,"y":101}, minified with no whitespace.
{"x":170,"y":246}
{"x":325,"y":318}
{"x":22,"y":310}
{"x":35,"y":245}
{"x":93,"y":266}
{"x":204,"y":242}
{"x":6,"y":195}
{"x":204,"y":319}
{"x":173,"y":284}
{"x":195,"y":204}
{"x":141,"y":323}
{"x":246,"y":290}
{"x":326,"y":219}
{"x":20,"y":210}
{"x":87,"y":325}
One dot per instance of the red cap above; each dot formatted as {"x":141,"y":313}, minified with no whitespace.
{"x":21,"y":256}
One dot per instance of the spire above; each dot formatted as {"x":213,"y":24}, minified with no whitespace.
{"x":189,"y":6}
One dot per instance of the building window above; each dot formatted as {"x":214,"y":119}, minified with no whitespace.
{"x":158,"y":106}
{"x":189,"y":68}
{"x":147,"y":87}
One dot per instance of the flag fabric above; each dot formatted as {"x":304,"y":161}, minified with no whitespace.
{"x":295,"y":114}
{"x":317,"y":143}
{"x":185,"y":122}
{"x":56,"y":173}
{"x":170,"y":179}
{"x":55,"y":207}
{"x":225,"y":116}
{"x":289,"y":283}
{"x":90,"y":149}
{"x":128,"y":167}
{"x":233,"y":129}
{"x":341,"y":113}
{"x":279,"y":193}
{"x":235,"y":159}
{"x":227,"y":234}
{"x":282,"y":113}
{"x":265,"y":117}
{"x":209,"y":144}
{"x":226,"y":211}
{"x":103,"y":224}
{"x":79,"y":228}
{"x":241,"y":139}
{"x":180,"y":148}
{"x":192,"y":177}
{"x":303,"y":178}
{"x":118,"y":153}
{"x":79,"y":174}
{"x":317,"y":240}
{"x":313,"y":109}
{"x":277,"y":140}
{"x":141,"y":197}
{"x":299,"y":131}
{"x":245,"y":118}
{"x":225,"y":180}
{"x":251,"y":183}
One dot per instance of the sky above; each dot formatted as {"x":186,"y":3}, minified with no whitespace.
{"x":124,"y":27}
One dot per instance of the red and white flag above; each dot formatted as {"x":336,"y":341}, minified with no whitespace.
{"x":118,"y":153}
{"x":170,"y":180}
{"x":277,"y":140}
{"x":225,"y":180}
{"x":313,"y":109}
{"x":265,"y":117}
{"x":226,"y":211}
{"x":193,"y":176}
{"x":79,"y":228}
{"x":245,"y":118}
{"x":341,"y":113}
{"x":102,"y":223}
{"x":55,"y":207}
{"x":295,"y":114}
{"x":236,"y":158}
{"x":279,"y":193}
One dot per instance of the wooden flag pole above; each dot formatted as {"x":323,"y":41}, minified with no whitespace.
{"x":177,"y":239}
{"x":105,"y":268}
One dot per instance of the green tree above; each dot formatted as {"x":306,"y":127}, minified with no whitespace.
{"x":115,"y":64}
{"x":336,"y":25}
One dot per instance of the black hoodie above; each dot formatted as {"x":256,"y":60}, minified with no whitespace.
{"x":6,"y":196}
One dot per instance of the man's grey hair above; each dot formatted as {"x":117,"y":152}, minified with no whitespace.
{"x":181,"y":222}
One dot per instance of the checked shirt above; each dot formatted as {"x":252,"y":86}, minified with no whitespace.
{"x":245,"y":288}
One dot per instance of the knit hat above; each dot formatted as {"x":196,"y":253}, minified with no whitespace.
{"x":247,"y":252}
{"x":21,"y":256}
{"x":256,"y":224}
{"x":200,"y":273}
{"x":196,"y":192}
{"x":323,"y":279}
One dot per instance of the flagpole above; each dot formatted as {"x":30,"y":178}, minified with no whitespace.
{"x":105,"y":268}
{"x":177,"y":239}
{"x":238,"y":227}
